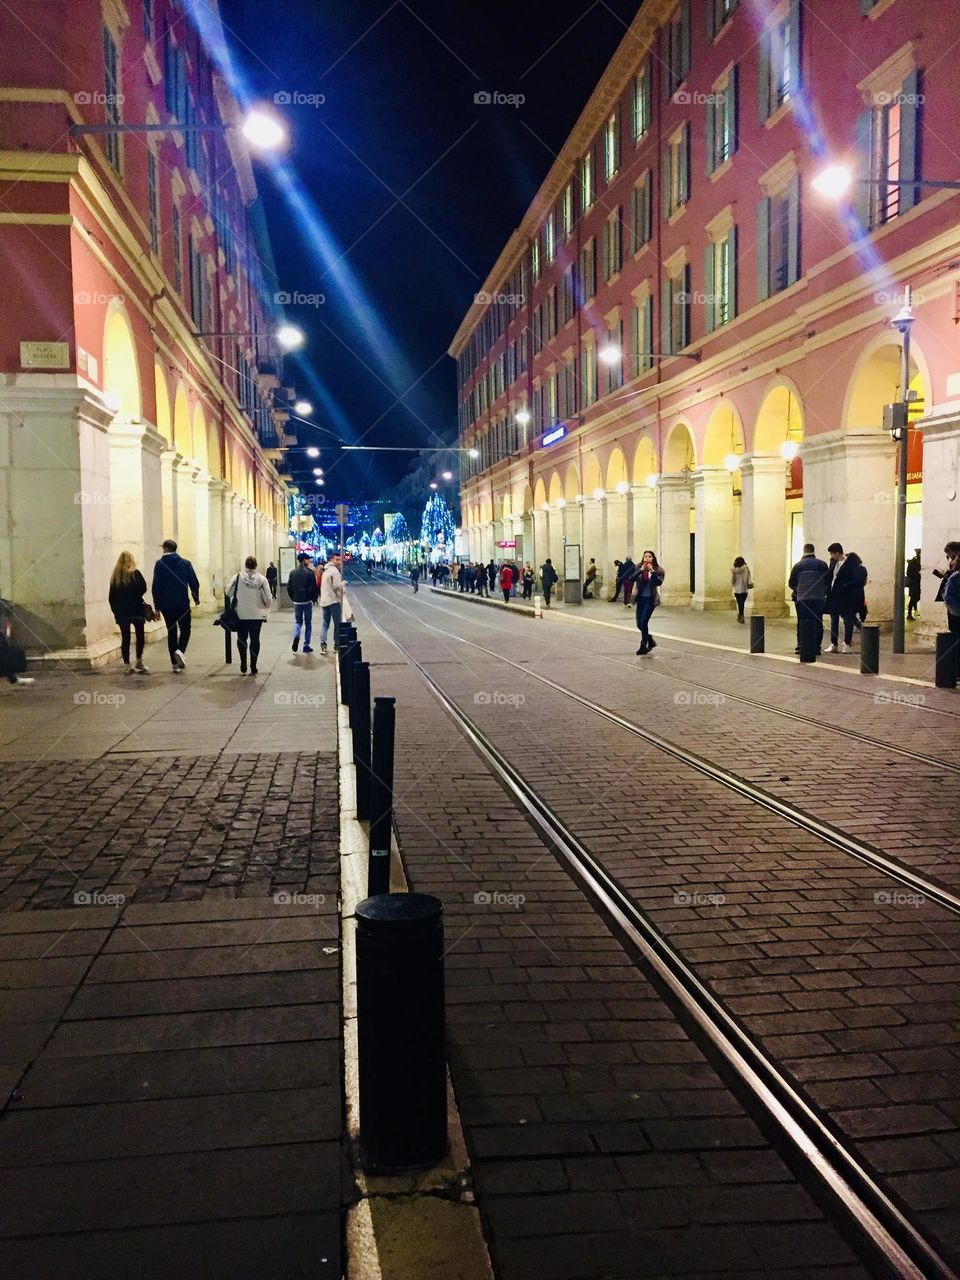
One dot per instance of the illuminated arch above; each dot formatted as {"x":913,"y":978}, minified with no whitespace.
{"x":200,"y":437}
{"x":164,"y":423}
{"x":556,"y":488}
{"x":644,"y":461}
{"x":875,"y":382}
{"x":616,"y":468}
{"x":592,"y":476}
{"x":539,"y":494}
{"x":182,"y":436}
{"x":679,"y":451}
{"x":214,"y":462}
{"x":527,"y":499}
{"x":571,"y":486}
{"x":724,"y":434}
{"x":779,"y":418}
{"x":121,"y":377}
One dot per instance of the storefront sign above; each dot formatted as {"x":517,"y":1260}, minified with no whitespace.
{"x":509,"y":542}
{"x":557,"y":433}
{"x":44,"y":355}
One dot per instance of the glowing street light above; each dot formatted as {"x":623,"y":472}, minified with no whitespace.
{"x":263,"y":130}
{"x":833,"y":182}
{"x":447,"y":475}
{"x":313,"y":452}
{"x":523,"y":416}
{"x":732,"y":462}
{"x":789,"y":450}
{"x":610,"y":354}
{"x":290,"y":337}
{"x":652,"y":479}
{"x":318,"y":471}
{"x":304,"y":408}
{"x":473,"y":453}
{"x":432,"y":484}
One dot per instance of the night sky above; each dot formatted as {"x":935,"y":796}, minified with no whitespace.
{"x":397,"y":194}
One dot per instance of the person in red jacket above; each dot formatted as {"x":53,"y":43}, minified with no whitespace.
{"x":506,"y":582}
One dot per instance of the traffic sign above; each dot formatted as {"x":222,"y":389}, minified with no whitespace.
{"x":342,"y":511}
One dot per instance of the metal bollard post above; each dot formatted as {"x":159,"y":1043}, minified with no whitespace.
{"x":400,"y":1032}
{"x":342,"y":666}
{"x":807,"y":638}
{"x":381,"y":796}
{"x":757,"y":634}
{"x":947,"y":660}
{"x":360,"y":722}
{"x":354,"y":655}
{"x":870,"y":650}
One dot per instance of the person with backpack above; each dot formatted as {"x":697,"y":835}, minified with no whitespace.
{"x":304,"y":592}
{"x":127,"y":590}
{"x":548,"y":580}
{"x":251,"y":598}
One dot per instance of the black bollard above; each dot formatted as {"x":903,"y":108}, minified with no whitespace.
{"x":381,"y":796}
{"x":354,"y":656}
{"x":807,"y":638}
{"x":870,"y":650}
{"x":342,"y":666}
{"x":360,"y":722}
{"x":228,"y":646}
{"x":348,"y":656}
{"x":757,"y":635}
{"x":400,"y":1032}
{"x":947,"y":660}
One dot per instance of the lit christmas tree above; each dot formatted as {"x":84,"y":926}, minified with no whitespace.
{"x":400,"y":530}
{"x":437,"y":528}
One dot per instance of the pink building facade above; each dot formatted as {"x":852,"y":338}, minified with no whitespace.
{"x":120,"y":422}
{"x":680,"y":226}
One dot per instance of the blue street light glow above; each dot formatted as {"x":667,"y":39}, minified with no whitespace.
{"x":553,"y":436}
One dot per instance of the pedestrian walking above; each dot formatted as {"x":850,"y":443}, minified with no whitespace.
{"x":506,"y":582}
{"x":588,"y":580}
{"x":369,"y":568}
{"x":548,"y":580}
{"x":272,"y":578}
{"x":617,"y":581}
{"x":740,"y":578}
{"x":127,"y":590}
{"x":951,"y":592}
{"x":860,"y":596}
{"x":951,"y":550}
{"x":304,"y":593}
{"x":629,"y":577}
{"x":174,"y":582}
{"x":252,"y":599}
{"x":913,"y":585}
{"x":492,"y":574}
{"x":415,"y":578}
{"x":808,"y":586}
{"x":482,"y":581}
{"x":529,"y":578}
{"x":331,"y":602}
{"x":649,"y":578}
{"x":844,"y":590}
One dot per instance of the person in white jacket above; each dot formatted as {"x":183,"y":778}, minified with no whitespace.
{"x":331,"y":601}
{"x":253,"y":601}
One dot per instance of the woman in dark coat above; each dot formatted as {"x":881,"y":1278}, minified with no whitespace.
{"x":127,"y":590}
{"x":648,"y":577}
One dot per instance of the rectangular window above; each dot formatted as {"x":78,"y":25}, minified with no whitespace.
{"x":549,"y":239}
{"x":587,"y":193}
{"x":537,"y":329}
{"x":675,"y":48}
{"x":153,"y":201}
{"x":566,"y":211}
{"x":718,"y":11}
{"x":177,"y":247}
{"x":612,"y":251}
{"x":888,"y":153}
{"x":721,"y":116}
{"x":535,"y":259}
{"x":642,"y":212}
{"x":112,"y":98}
{"x":676,"y":172}
{"x":641,"y":102}
{"x":566,"y":297}
{"x":550,"y":400}
{"x":614,"y":372}
{"x":721,"y":281}
{"x":550,"y":314}
{"x":588,"y":272}
{"x":149,"y":28}
{"x":196,"y":284}
{"x":778,"y":240}
{"x":611,"y":147}
{"x":643,"y":337}
{"x":676,"y":311}
{"x":588,"y":367}
{"x":780,"y":61}
{"x":191,"y":139}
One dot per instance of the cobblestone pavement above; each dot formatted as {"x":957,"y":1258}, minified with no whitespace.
{"x":604,"y":1144}
{"x":849,"y":983}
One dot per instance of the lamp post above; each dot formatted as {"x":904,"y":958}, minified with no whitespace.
{"x":898,"y":423}
{"x":262,"y":129}
{"x":612,"y":354}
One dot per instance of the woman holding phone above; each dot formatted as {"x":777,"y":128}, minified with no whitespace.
{"x":648,"y":578}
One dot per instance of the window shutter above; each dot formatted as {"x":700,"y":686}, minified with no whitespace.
{"x":711,"y":19}
{"x":685,"y":308}
{"x":765,"y":41}
{"x":793,"y":230}
{"x":793,"y":22}
{"x":636,"y":215}
{"x":763,"y":250}
{"x":648,"y":208}
{"x":646,"y":362}
{"x":647,"y":91}
{"x":730,"y":284}
{"x":712,"y":148}
{"x":666,"y":62}
{"x":667,"y":181}
{"x":684,"y":69}
{"x":864,"y":156}
{"x":733,"y":88}
{"x":666,"y":297}
{"x":710,"y":306}
{"x":909,"y":139}
{"x":684,"y":160}
{"x":866,"y":6}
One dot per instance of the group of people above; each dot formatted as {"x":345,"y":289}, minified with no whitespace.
{"x":481,"y":579}
{"x":248,"y":600}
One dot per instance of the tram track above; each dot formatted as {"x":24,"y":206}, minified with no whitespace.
{"x":887,"y":1238}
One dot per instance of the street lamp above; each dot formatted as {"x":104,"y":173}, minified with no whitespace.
{"x":897,"y":421}
{"x":287,"y":336}
{"x":447,"y":475}
{"x":304,"y":408}
{"x":611,"y":354}
{"x":523,"y":416}
{"x":789,"y":450}
{"x":473,"y":453}
{"x":837,"y":179}
{"x":262,"y":129}
{"x":313,"y":452}
{"x":318,"y":471}
{"x":290,"y":337}
{"x":433,"y":484}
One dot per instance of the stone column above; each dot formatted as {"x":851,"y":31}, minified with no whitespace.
{"x":765,"y":531}
{"x":941,"y":508}
{"x":713,"y":508}
{"x":848,"y":497}
{"x":185,"y":473}
{"x":674,"y":549}
{"x":618,"y":536}
{"x":168,"y":492}
{"x":216,"y":490}
{"x":135,"y":491}
{"x":642,"y":522}
{"x":541,"y":542}
{"x":202,"y":536}
{"x":237,"y":536}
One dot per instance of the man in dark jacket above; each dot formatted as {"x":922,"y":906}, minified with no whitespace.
{"x":548,"y":578}
{"x":808,"y":583}
{"x":628,"y":572}
{"x":174,"y":581}
{"x":304,"y":592}
{"x":272,"y":578}
{"x":844,"y":589}
{"x":913,"y":585}
{"x":492,"y":574}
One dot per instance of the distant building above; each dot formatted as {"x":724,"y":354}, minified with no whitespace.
{"x":679,"y":220}
{"x":120,"y":423}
